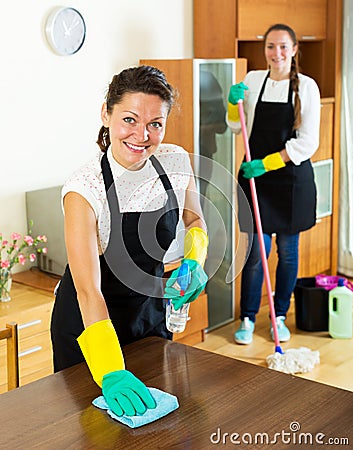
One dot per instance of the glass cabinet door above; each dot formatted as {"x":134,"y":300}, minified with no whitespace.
{"x":214,"y":161}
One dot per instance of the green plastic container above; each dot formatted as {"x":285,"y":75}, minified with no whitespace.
{"x":340,"y":311}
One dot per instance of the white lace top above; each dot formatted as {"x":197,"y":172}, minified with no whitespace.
{"x":307,"y":142}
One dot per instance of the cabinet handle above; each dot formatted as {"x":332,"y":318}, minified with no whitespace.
{"x":35,"y":349}
{"x":260,"y":36}
{"x":29,"y":324}
{"x":308,"y":37}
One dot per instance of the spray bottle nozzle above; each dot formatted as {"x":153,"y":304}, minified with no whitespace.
{"x":184,"y":277}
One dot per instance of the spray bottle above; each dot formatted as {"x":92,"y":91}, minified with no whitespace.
{"x":340,"y":311}
{"x":176,"y":318}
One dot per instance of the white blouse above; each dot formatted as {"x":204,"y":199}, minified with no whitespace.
{"x":137,"y":191}
{"x":306,"y":143}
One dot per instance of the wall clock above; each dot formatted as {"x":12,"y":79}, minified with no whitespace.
{"x":65,"y":30}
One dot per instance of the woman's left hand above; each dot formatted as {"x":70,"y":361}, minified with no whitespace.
{"x":258,"y":167}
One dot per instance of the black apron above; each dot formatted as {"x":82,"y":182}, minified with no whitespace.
{"x":131,"y":275}
{"x":287,"y":196}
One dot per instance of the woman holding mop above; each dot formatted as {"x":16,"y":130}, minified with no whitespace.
{"x":282,"y":109}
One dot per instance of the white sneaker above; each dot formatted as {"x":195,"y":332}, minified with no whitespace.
{"x":244,"y":333}
{"x":283,"y":332}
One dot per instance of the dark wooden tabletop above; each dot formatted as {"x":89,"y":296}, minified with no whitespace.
{"x":224,"y":403}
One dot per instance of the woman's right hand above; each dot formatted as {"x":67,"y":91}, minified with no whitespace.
{"x":126,"y":394}
{"x":237,"y":92}
{"x":197,"y":284}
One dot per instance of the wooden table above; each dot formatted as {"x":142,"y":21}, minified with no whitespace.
{"x":222,"y":402}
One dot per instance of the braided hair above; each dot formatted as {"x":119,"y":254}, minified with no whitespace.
{"x":293,"y":76}
{"x":145,"y":79}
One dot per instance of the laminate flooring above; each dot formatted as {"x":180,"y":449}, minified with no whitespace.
{"x":336,"y":355}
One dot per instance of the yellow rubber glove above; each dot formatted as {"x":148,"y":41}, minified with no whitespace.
{"x":195,"y":245}
{"x":233,"y":112}
{"x":258,"y":167}
{"x":236,"y":93}
{"x":195,"y":252}
{"x":101,"y":349}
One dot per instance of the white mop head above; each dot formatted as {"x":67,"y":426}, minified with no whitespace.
{"x":293,"y":360}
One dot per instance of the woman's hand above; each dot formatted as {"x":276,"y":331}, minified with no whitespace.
{"x":258,"y":167}
{"x":236,"y":93}
{"x":197,"y":284}
{"x":126,"y":394}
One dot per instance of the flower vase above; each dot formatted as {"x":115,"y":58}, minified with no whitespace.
{"x":5,"y":285}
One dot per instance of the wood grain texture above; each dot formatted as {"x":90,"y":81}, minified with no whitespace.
{"x":306,"y":17}
{"x":214,"y":28}
{"x":10,"y":334}
{"x":215,"y":393}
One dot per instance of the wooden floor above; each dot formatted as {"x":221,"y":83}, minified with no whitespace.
{"x":336,"y":355}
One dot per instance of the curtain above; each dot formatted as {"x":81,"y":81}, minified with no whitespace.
{"x":345,"y":250}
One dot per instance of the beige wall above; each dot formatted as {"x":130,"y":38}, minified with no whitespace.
{"x":50,"y":105}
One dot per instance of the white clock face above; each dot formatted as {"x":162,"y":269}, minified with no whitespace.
{"x":66,"y":31}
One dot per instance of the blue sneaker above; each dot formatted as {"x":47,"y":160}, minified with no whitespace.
{"x":283,"y":332}
{"x":244,"y":333}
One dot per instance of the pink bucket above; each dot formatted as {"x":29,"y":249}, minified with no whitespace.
{"x":329,"y":282}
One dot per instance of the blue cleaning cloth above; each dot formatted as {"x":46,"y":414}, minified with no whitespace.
{"x":166,"y":403}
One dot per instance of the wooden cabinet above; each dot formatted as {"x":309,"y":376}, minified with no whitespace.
{"x":314,"y":253}
{"x":306,"y":17}
{"x":214,"y":28}
{"x":234,"y":29}
{"x":325,"y":150}
{"x":219,"y":25}
{"x":31,"y":309}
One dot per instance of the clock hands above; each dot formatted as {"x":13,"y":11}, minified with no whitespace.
{"x":67,"y":29}
{"x":74,"y":24}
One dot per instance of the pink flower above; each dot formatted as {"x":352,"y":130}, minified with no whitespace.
{"x":15,"y":249}
{"x":29,"y":240}
{"x":44,"y":250}
{"x":15,"y":236}
{"x":21,"y":258}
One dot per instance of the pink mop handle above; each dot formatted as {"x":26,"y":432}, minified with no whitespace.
{"x":259,"y":226}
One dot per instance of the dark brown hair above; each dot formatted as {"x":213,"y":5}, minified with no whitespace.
{"x":293,"y":76}
{"x":145,"y":79}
